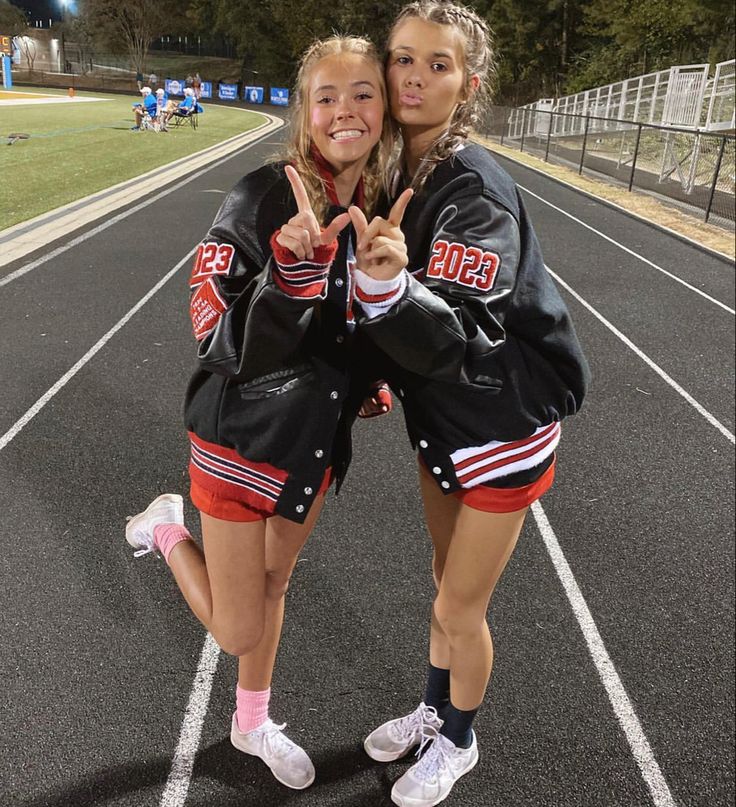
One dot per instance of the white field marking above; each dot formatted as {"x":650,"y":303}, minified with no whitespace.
{"x":180,"y":775}
{"x":643,"y":356}
{"x":20,"y":424}
{"x":620,"y":702}
{"x":120,"y":216}
{"x":48,"y":99}
{"x":631,"y":252}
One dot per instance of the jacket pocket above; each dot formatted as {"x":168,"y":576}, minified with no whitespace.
{"x":485,"y":383}
{"x":277,"y":383}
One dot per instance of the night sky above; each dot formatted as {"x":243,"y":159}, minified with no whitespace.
{"x":40,"y":9}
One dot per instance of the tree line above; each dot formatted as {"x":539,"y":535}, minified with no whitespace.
{"x":545,"y":47}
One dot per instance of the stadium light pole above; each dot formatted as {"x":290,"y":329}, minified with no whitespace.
{"x":64,"y":4}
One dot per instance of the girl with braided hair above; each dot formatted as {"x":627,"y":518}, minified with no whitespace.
{"x":475,"y":340}
{"x":270,"y":405}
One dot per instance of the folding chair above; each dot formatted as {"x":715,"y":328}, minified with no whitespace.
{"x":181,"y":118}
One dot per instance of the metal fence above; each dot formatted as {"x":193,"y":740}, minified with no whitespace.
{"x":694,"y":169}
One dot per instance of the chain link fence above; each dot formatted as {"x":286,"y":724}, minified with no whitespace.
{"x":695,"y":170}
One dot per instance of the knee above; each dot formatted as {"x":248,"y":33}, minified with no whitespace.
{"x":438,"y":567}
{"x":277,"y":584}
{"x":457,"y":619}
{"x":239,"y":641}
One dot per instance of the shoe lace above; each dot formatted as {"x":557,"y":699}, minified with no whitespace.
{"x":142,"y":539}
{"x":435,"y":760}
{"x":279,"y":745}
{"x":423,"y":722}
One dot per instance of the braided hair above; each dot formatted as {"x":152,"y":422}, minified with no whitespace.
{"x":299,"y":147}
{"x":479,"y":60}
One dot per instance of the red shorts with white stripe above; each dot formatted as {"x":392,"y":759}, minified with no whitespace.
{"x":493,"y":499}
{"x":226,"y":486}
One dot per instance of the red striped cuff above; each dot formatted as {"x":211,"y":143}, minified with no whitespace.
{"x":378,"y":296}
{"x":299,"y":278}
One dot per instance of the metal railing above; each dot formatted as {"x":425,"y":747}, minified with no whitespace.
{"x":694,"y":169}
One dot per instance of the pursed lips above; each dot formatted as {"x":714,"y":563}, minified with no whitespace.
{"x":410,"y":99}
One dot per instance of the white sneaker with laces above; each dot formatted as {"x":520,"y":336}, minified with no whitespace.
{"x":289,"y":763}
{"x":395,"y":738}
{"x":429,"y":781}
{"x":166,"y":509}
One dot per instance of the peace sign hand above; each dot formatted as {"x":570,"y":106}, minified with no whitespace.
{"x":302,"y":233}
{"x":381,"y":248}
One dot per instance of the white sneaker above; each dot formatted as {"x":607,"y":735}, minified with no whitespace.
{"x":166,"y":509}
{"x":429,"y":781}
{"x":289,"y":763}
{"x":395,"y":738}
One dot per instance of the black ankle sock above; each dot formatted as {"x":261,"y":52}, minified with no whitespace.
{"x":458,"y":725}
{"x":437,"y":693}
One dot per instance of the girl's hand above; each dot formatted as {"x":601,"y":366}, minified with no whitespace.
{"x":302,"y":233}
{"x":381,"y":248}
{"x":378,"y":402}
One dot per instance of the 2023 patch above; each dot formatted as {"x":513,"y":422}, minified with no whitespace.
{"x":468,"y":266}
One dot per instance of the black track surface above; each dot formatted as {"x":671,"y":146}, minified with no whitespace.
{"x":99,"y":652}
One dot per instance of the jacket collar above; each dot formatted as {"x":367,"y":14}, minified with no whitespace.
{"x":325,"y":171}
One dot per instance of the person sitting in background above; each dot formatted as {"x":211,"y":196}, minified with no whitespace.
{"x":162,"y":101}
{"x":146,"y":106}
{"x":188,"y":106}
{"x":153,"y":81}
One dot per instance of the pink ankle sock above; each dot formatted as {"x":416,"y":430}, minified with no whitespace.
{"x":167,"y":536}
{"x":251,"y":708}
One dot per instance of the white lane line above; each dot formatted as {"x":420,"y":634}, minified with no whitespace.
{"x":643,"y":356}
{"x":631,"y":252}
{"x":20,"y":424}
{"x":180,"y":776}
{"x":622,"y":706}
{"x":115,"y":219}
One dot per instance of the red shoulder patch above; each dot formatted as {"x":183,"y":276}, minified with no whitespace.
{"x":468,"y":266}
{"x":211,"y":259}
{"x":205,"y":309}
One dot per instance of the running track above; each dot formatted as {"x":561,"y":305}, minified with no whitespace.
{"x":613,"y":624}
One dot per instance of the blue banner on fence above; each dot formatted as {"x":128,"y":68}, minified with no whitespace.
{"x":206,"y":89}
{"x":173,"y":86}
{"x":254,"y":95}
{"x":227,"y":92}
{"x":279,"y":96}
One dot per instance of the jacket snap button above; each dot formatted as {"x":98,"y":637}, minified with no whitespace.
{"x":308,"y":491}
{"x":436,"y":469}
{"x":319,"y":453}
{"x":339,"y":282}
{"x":445,"y":485}
{"x":423,"y":444}
{"x":334,"y":395}
{"x":340,"y":339}
{"x":300,"y":508}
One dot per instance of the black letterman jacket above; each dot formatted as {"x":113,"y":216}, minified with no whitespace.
{"x":270,"y":406}
{"x":476,"y":340}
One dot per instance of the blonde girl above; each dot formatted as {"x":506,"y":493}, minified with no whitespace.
{"x":270,"y":406}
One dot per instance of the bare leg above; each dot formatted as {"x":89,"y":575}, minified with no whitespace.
{"x":225,"y":586}
{"x":480,"y":548}
{"x":284,"y":541}
{"x":440,"y":512}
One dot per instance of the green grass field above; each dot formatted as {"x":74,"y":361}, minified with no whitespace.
{"x":78,"y":149}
